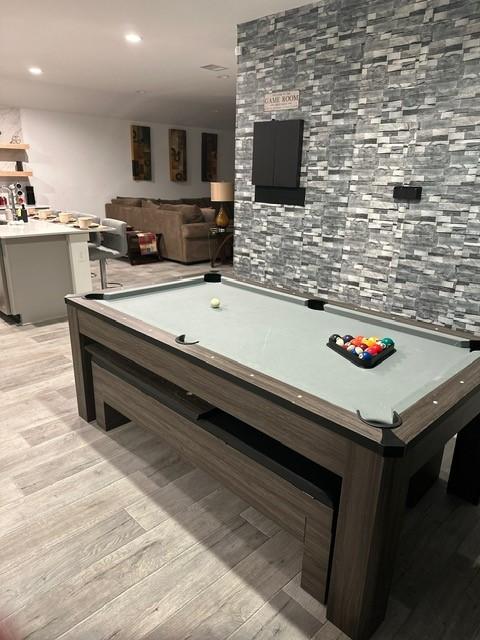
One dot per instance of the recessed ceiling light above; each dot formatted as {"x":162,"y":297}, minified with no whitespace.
{"x":213,"y":67}
{"x":224,"y":77}
{"x":140,"y":91}
{"x":134,"y":38}
{"x":35,"y":71}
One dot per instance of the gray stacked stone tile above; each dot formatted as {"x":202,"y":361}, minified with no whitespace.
{"x":390,"y":94}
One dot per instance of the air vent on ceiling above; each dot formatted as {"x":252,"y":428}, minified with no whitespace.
{"x":213,"y":67}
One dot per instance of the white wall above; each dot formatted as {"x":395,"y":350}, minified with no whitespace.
{"x":80,"y":162}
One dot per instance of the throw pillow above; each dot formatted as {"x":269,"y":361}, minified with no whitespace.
{"x":209,"y":214}
{"x":150,"y":202}
{"x":203,"y":203}
{"x":191,"y":213}
{"x":166,"y":206}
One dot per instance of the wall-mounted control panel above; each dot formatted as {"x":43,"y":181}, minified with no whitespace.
{"x":407,"y":193}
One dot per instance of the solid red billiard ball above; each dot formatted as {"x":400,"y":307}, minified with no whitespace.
{"x":364,"y":346}
{"x":374,"y":350}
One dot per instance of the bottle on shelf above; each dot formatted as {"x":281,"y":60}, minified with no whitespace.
{"x":24,"y":213}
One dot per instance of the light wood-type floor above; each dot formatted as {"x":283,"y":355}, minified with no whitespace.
{"x":114,"y":536}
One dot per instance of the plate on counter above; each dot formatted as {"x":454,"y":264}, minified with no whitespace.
{"x":92,"y":225}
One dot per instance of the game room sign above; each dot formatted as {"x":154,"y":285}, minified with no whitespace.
{"x":281,"y":100}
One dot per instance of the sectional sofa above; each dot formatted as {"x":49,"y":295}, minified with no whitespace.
{"x":183,"y":224}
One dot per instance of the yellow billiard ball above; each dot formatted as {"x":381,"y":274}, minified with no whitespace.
{"x":371,"y":341}
{"x":215,"y":303}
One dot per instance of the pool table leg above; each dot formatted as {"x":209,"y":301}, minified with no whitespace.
{"x":107,"y":417}
{"x":464,"y":479}
{"x":372,"y":505}
{"x":82,"y":368}
{"x":424,"y":479}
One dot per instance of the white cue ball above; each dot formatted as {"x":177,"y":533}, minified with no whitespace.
{"x":215,"y":303}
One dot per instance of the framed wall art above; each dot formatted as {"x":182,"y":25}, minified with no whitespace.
{"x":177,"y":144}
{"x":209,"y":157}
{"x":141,"y":152}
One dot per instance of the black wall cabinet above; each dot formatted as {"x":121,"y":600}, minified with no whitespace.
{"x":277,"y":159}
{"x":277,"y":153}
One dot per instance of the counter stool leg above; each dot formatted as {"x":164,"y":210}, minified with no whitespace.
{"x":464,"y":480}
{"x":103,"y":273}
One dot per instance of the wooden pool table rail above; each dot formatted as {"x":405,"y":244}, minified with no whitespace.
{"x":417,"y":419}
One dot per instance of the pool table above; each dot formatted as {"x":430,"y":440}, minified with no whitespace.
{"x":360,"y":443}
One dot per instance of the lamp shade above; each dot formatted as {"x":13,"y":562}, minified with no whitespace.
{"x":221,"y":191}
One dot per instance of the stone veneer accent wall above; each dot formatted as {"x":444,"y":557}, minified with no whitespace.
{"x":390,"y":93}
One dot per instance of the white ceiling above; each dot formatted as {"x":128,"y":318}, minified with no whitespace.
{"x":89,"y":68}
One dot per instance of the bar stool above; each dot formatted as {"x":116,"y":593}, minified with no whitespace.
{"x":113,"y":245}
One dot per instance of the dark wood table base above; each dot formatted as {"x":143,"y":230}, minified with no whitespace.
{"x":125,"y":393}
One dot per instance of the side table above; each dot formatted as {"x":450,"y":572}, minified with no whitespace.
{"x":219,"y":240}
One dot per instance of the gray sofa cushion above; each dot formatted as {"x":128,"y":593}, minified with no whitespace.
{"x":190,"y":212}
{"x":127,"y":202}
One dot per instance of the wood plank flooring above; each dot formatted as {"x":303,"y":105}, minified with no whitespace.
{"x":114,"y":536}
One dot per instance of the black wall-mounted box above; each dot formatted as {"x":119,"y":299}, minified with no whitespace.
{"x":277,"y":160}
{"x":277,"y":153}
{"x":407,"y":193}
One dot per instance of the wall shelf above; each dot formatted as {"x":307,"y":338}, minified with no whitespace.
{"x":15,"y":174}
{"x":9,"y":146}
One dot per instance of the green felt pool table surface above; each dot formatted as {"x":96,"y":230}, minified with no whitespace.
{"x":277,"y":334}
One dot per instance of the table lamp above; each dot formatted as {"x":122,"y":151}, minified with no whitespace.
{"x":221,"y":192}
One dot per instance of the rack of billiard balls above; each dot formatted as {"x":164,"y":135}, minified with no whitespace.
{"x":361,"y":351}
